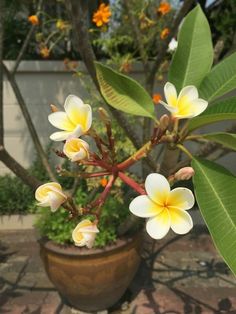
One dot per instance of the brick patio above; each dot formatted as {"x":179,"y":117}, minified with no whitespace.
{"x":181,"y":275}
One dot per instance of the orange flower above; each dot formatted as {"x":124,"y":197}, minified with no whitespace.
{"x":101,"y":16}
{"x":156,"y":98}
{"x":164,"y":33}
{"x":164,"y":8}
{"x":103,"y":182}
{"x":45,"y":52}
{"x":33,"y":19}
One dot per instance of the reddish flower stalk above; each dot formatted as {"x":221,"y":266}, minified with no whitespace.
{"x":134,"y":185}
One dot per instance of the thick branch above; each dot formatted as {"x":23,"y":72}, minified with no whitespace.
{"x":17,"y":169}
{"x":78,"y":11}
{"x":29,"y":123}
{"x":1,"y":72}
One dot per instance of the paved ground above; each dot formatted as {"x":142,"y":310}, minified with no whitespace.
{"x":181,"y":275}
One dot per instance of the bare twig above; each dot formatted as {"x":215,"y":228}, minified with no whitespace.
{"x":26,"y":42}
{"x":136,"y":31}
{"x":29,"y":122}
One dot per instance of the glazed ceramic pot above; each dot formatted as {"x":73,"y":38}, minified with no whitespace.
{"x":95,"y":279}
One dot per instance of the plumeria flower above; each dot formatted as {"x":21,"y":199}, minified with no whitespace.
{"x":76,"y":149}
{"x":85,"y":233}
{"x":75,"y":121}
{"x":164,"y":208}
{"x":50,"y":195}
{"x":186,"y":104}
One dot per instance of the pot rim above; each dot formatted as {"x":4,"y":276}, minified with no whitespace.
{"x":72,"y":250}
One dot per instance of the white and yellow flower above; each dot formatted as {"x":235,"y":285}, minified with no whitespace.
{"x":186,"y":104}
{"x":76,"y":149}
{"x":164,"y":208}
{"x":50,"y":195}
{"x":75,"y":121}
{"x":85,"y":233}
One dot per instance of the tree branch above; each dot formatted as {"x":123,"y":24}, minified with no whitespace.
{"x":17,"y":169}
{"x":78,"y":11}
{"x":29,"y":122}
{"x":26,"y":42}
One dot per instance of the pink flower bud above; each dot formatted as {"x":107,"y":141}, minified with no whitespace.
{"x":185,"y":173}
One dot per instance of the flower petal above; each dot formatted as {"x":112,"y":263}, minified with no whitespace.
{"x":170,"y":94}
{"x":181,"y":198}
{"x":78,"y":112}
{"x":61,"y":121}
{"x":143,"y":206}
{"x":60,"y":136}
{"x":55,"y":200}
{"x":198,"y":106}
{"x":77,"y":132}
{"x":190,"y":92}
{"x":157,"y":188}
{"x":168,"y":107}
{"x":158,"y":226}
{"x":181,"y":221}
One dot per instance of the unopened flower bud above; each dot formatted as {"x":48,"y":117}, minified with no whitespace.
{"x":104,"y":115}
{"x":54,"y":108}
{"x":185,"y":173}
{"x":164,"y":122}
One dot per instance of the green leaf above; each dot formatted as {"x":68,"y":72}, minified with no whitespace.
{"x":194,"y":55}
{"x":226,"y":139}
{"x":221,"y":79}
{"x":222,"y":110}
{"x":215,"y":193}
{"x":123,"y":93}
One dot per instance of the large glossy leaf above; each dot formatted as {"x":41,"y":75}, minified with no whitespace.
{"x":215,"y":193}
{"x":222,"y":110}
{"x":226,"y":139}
{"x":221,"y":79}
{"x":124,"y":93}
{"x":194,"y":55}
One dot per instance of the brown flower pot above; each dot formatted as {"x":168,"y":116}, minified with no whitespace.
{"x":92,"y":280}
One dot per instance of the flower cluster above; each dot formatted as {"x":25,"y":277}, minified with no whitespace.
{"x":102,"y":15}
{"x":164,"y":208}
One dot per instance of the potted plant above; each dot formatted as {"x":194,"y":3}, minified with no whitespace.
{"x":82,"y":275}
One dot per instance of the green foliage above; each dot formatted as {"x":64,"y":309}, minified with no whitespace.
{"x":15,"y":197}
{"x":220,"y":111}
{"x":221,"y":79}
{"x":226,"y":139}
{"x":58,"y":228}
{"x":218,"y":208}
{"x":124,"y":93}
{"x":194,"y":55}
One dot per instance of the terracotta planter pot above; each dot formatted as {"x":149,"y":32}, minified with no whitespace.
{"x":92,"y":280}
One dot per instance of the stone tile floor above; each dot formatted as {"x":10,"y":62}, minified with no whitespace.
{"x":177,"y":275}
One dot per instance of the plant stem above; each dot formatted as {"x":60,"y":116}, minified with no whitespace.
{"x":134,"y":185}
{"x":185,"y":150}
